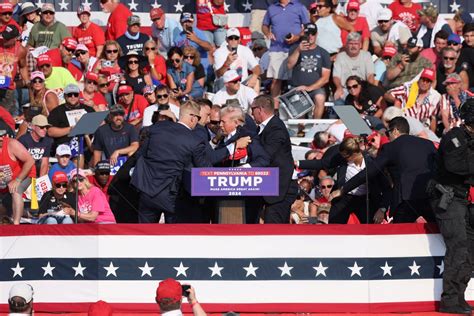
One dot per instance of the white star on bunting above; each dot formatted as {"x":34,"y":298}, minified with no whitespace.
{"x":132,"y":5}
{"x":320,"y":270}
{"x":454,"y":7}
{"x":285,"y":270}
{"x":216,"y":270}
{"x":441,"y":267}
{"x":48,"y":270}
{"x":247,"y":6}
{"x":111,"y":270}
{"x":226,"y":7}
{"x":181,"y":270}
{"x":86,"y":2}
{"x":63,"y":5}
{"x":79,"y":270}
{"x":387,"y":269}
{"x":251,"y":270}
{"x":156,"y":5}
{"x":17,"y":270}
{"x":178,"y":7}
{"x":414,"y":268}
{"x":146,"y":269}
{"x":355,"y":269}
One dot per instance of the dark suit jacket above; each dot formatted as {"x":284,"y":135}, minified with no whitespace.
{"x":276,"y":142}
{"x":215,"y":156}
{"x":331,"y":159}
{"x":410,"y":162}
{"x":169,"y":150}
{"x":257,"y":156}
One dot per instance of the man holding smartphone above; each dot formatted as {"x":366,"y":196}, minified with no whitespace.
{"x":169,"y":296}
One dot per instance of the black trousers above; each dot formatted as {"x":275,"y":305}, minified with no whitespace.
{"x":408,"y":211}
{"x":456,"y":224}
{"x":347,"y":204}
{"x":150,"y":212}
{"x":279,"y":213}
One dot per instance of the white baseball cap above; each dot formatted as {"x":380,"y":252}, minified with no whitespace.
{"x":63,"y":150}
{"x":23,"y":290}
{"x":231,"y":75}
{"x":233,"y":31}
{"x":384,"y":15}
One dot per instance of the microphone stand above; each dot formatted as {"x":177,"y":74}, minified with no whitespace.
{"x":81,"y":144}
{"x":364,"y":154}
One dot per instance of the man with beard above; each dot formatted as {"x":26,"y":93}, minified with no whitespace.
{"x":38,"y":144}
{"x":115,"y":139}
{"x":63,"y":57}
{"x":101,"y":177}
{"x":407,"y":65}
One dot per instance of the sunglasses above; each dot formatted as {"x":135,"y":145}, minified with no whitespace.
{"x":195,"y":115}
{"x":61,"y":185}
{"x":387,"y":58}
{"x":133,"y":62}
{"x":383,"y":21}
{"x":150,"y":48}
{"x":48,"y":12}
{"x":353,"y":87}
{"x":214,"y":122}
{"x":233,"y":38}
{"x":37,"y":81}
{"x":117,"y":114}
{"x":73,"y":94}
{"x":91,"y":82}
{"x":42,"y":127}
{"x":81,"y":179}
{"x":256,"y":49}
{"x":69,"y":50}
{"x":319,"y":6}
{"x":177,"y":61}
{"x":44,"y":66}
{"x":103,"y":173}
{"x":329,"y":186}
{"x":154,"y":20}
{"x":449,"y":58}
{"x":452,"y":43}
{"x":7,"y":13}
{"x":188,"y":56}
{"x":111,"y":51}
{"x":162,"y":96}
{"x":79,"y":53}
{"x":103,"y":85}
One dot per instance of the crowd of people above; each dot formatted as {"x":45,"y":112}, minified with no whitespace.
{"x":194,"y":92}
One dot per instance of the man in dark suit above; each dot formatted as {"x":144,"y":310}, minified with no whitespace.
{"x":410,"y":162}
{"x":170,"y":149}
{"x":276,"y":142}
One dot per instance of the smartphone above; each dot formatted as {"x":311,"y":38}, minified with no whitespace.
{"x":288,"y":36}
{"x":234,"y":50}
{"x":189,"y":29}
{"x":184,"y":289}
{"x":405,"y":51}
{"x":304,"y":38}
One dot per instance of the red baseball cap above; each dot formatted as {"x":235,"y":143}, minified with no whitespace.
{"x":353,"y":5}
{"x":348,"y":134}
{"x":428,"y":74}
{"x":169,"y":290}
{"x":43,"y":60}
{"x":156,"y":13}
{"x":312,"y":6}
{"x":69,"y":43}
{"x":389,"y":51}
{"x":6,"y":7}
{"x":60,"y":177}
{"x":92,"y":76}
{"x":124,"y":89}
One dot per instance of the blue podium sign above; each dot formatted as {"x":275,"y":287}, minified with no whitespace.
{"x":234,"y":181}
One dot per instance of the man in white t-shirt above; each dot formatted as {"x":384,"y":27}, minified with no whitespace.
{"x":233,"y":89}
{"x":232,"y":55}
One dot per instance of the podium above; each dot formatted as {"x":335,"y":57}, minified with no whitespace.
{"x":231,"y":186}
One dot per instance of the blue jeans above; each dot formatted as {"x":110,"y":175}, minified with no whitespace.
{"x":216,"y":37}
{"x":53,"y":220}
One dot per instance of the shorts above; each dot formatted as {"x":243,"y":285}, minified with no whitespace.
{"x":277,"y":67}
{"x":316,"y":92}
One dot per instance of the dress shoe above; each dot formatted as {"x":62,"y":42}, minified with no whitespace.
{"x":456,"y":310}
{"x":466,"y":305}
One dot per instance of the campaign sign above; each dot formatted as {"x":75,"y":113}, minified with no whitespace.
{"x":234,"y":182}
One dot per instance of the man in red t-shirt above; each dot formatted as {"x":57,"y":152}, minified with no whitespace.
{"x":117,"y":23}
{"x":63,"y":57}
{"x":406,"y":11}
{"x":134,"y":104}
{"x":88,"y":33}
{"x":6,"y":12}
{"x":359,"y":22}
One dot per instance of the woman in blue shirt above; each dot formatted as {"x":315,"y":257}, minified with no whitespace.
{"x":181,"y":76}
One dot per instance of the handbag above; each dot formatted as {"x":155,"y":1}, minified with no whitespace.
{"x":217,"y":19}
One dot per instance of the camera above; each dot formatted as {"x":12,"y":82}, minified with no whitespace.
{"x":107,"y":63}
{"x":288,"y":36}
{"x":184,"y":289}
{"x":405,"y":51}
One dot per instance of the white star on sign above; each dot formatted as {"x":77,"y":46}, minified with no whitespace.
{"x":226,"y":7}
{"x":250,"y":270}
{"x":285,"y":270}
{"x":63,"y":5}
{"x":178,"y":7}
{"x":39,"y":4}
{"x":132,"y":5}
{"x":86,"y":2}
{"x":156,"y":5}
{"x":355,"y":269}
{"x":441,"y":267}
{"x":247,"y":6}
{"x":454,"y":7}
{"x":146,"y":269}
{"x":387,"y":269}
{"x":320,"y":270}
{"x":79,"y":270}
{"x":216,"y":270}
{"x":17,"y":270}
{"x":414,"y":268}
{"x":111,"y":270}
{"x":48,"y":269}
{"x":181,"y":269}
